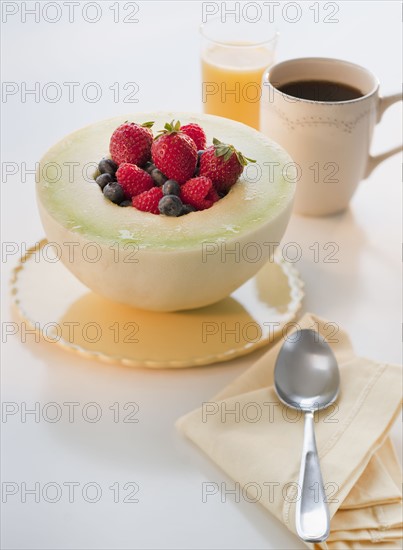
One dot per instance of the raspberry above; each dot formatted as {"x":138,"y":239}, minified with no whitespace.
{"x":195,"y":132}
{"x":148,"y":201}
{"x":199,"y":192}
{"x":131,"y":142}
{"x":133,"y":179}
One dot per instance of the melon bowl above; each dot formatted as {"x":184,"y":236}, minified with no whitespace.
{"x":155,"y":262}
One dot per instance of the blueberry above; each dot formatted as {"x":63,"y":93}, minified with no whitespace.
{"x":197,"y":170}
{"x":149,"y":167}
{"x":107,"y":166}
{"x":171,"y":187}
{"x":126,"y":203}
{"x":158,"y":177}
{"x":170,"y":205}
{"x":114,"y":192}
{"x":187,"y":209}
{"x":103,"y":179}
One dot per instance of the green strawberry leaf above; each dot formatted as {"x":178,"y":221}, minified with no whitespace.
{"x":171,"y":127}
{"x":226,"y":151}
{"x":148,"y":124}
{"x":243,"y":160}
{"x":228,"y":154}
{"x":221,"y":151}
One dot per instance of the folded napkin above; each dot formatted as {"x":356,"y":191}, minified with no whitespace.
{"x":259,"y":444}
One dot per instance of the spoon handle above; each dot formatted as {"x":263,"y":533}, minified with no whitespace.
{"x":312,"y":513}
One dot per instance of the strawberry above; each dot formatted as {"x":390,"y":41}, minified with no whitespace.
{"x":195,"y":132}
{"x":199,"y":192}
{"x":223,"y":164}
{"x":133,"y":179}
{"x":131,"y":142}
{"x":148,"y":201}
{"x":174,"y":153}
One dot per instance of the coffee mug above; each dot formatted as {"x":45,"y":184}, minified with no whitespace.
{"x":323,"y":112}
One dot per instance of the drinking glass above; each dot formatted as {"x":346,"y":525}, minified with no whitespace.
{"x":234,"y":58}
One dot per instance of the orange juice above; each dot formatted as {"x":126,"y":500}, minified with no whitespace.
{"x":232,"y":79}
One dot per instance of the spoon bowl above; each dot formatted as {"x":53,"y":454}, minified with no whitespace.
{"x":306,"y":374}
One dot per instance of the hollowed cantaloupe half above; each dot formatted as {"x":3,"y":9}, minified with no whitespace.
{"x":157,"y":262}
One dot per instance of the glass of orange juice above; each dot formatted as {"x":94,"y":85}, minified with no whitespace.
{"x":234,"y":58}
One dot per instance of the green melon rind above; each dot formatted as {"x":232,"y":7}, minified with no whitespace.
{"x":80,"y":206}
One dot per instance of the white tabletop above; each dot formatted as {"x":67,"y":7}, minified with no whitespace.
{"x":361,"y":292}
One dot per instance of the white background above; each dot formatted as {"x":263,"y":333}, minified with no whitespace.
{"x":362,"y":292}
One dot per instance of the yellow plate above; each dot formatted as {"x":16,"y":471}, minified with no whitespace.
{"x":63,"y":310}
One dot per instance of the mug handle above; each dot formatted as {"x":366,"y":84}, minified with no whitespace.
{"x":373,"y":161}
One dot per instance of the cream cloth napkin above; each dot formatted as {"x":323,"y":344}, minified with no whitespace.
{"x":259,"y":445}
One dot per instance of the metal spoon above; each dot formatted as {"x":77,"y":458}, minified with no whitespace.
{"x":306,"y":377}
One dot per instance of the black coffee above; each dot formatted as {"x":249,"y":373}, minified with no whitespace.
{"x":320,"y":90}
